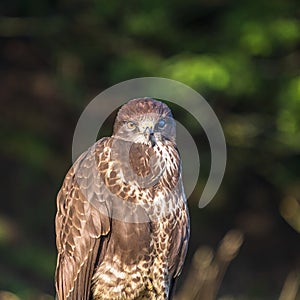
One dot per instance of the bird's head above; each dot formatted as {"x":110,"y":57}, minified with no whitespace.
{"x":145,"y":121}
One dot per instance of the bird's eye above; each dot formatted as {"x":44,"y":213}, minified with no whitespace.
{"x":131,"y":125}
{"x":161,"y":123}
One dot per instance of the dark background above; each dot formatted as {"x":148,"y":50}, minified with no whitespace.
{"x":242,"y":56}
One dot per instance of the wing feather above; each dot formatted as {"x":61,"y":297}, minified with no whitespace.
{"x":80,"y":225}
{"x":179,"y":243}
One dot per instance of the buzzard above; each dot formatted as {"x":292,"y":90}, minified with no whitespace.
{"x":122,"y":223}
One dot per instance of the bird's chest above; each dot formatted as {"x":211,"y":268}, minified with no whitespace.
{"x":135,"y":265}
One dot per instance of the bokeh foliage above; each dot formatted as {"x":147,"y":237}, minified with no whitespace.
{"x":242,"y":56}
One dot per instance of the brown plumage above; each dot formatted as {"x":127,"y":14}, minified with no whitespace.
{"x":122,"y":224}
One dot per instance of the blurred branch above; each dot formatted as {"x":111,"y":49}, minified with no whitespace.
{"x":208,"y":270}
{"x":291,"y":287}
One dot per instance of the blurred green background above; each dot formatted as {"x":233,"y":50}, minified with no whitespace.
{"x":242,"y":56}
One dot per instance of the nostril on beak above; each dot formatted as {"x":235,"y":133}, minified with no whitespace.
{"x":148,"y":130}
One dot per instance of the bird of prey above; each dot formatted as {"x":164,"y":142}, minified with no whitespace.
{"x":122,"y":222}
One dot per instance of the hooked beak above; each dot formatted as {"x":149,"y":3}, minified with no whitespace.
{"x":149,"y":134}
{"x":147,"y":128}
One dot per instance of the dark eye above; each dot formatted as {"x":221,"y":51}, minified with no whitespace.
{"x":161,"y":123}
{"x":131,"y":125}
